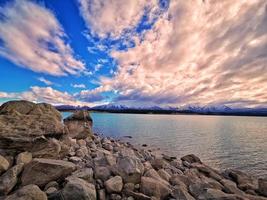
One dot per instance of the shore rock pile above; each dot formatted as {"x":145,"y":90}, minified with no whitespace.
{"x":40,"y":161}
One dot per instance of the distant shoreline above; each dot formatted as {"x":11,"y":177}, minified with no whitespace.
{"x":169,"y":112}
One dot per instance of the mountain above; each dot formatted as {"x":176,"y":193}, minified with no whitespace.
{"x":211,"y":109}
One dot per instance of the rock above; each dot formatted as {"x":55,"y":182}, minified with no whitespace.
{"x":153,"y":187}
{"x":158,"y":163}
{"x":154,"y":174}
{"x":22,"y":124}
{"x":51,"y":148}
{"x":81,"y":143}
{"x":107,"y":146}
{"x":129,"y":168}
{"x":137,"y":195}
{"x":129,"y":186}
{"x":102,"y":173}
{"x":41,"y":171}
{"x":191,"y":158}
{"x":231,"y":187}
{"x":180,"y":180}
{"x":114,"y":184}
{"x":79,"y":124}
{"x":181,"y":193}
{"x":82,"y":152}
{"x":86,"y":174}
{"x":263,"y":186}
{"x":101,"y":194}
{"x":78,"y":189}
{"x":29,"y":192}
{"x":244,"y":181}
{"x":164,"y":175}
{"x":115,"y":197}
{"x":196,"y":189}
{"x":9,"y":179}
{"x":75,"y":159}
{"x":51,"y":190}
{"x":51,"y":184}
{"x":24,"y":157}
{"x":4,"y":164}
{"x":168,"y":158}
{"x":213,"y":194}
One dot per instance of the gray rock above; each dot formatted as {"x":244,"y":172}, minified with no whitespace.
{"x":101,"y":194}
{"x":24,"y":157}
{"x":153,"y":187}
{"x":181,"y":193}
{"x":86,"y":174}
{"x":164,"y":175}
{"x":79,"y":125}
{"x":78,"y":189}
{"x":29,"y":192}
{"x":191,"y":158}
{"x":158,"y":163}
{"x":154,"y":174}
{"x":137,"y":195}
{"x":231,"y":187}
{"x":41,"y":171}
{"x":213,"y":194}
{"x":115,"y":197}
{"x":50,"y":190}
{"x":50,"y":148}
{"x":51,"y":184}
{"x":263,"y":186}
{"x":114,"y":184}
{"x":4,"y":164}
{"x":9,"y":179}
{"x":129,"y":168}
{"x":102,"y":173}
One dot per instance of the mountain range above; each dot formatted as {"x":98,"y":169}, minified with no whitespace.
{"x":190,"y":109}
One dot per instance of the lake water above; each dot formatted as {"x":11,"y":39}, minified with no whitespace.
{"x":220,"y":141}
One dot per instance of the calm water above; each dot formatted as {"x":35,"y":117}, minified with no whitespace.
{"x":220,"y":141}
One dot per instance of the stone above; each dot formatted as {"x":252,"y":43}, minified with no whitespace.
{"x":10,"y":178}
{"x":101,"y":194}
{"x":154,"y":174}
{"x":24,"y":157}
{"x":181,"y":193}
{"x":41,"y":171}
{"x":129,"y":186}
{"x":29,"y":192}
{"x":51,"y":190}
{"x":75,"y":159}
{"x":49,"y":149}
{"x":4,"y":164}
{"x":114,"y":184}
{"x":78,"y":189}
{"x":107,"y":146}
{"x":79,"y":124}
{"x":158,"y":163}
{"x":263,"y":186}
{"x":23,"y":124}
{"x":81,"y":143}
{"x":244,"y":181}
{"x":137,"y":195}
{"x":129,"y":168}
{"x":86,"y":174}
{"x":153,"y":187}
{"x":115,"y":197}
{"x":213,"y":194}
{"x":191,"y":158}
{"x":231,"y":187}
{"x":164,"y":175}
{"x":51,"y":184}
{"x":102,"y":173}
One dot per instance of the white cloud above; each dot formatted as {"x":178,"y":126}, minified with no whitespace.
{"x":199,"y":52}
{"x":115,"y":17}
{"x":45,"y":81}
{"x":48,"y":95}
{"x":33,"y":38}
{"x":78,"y":85}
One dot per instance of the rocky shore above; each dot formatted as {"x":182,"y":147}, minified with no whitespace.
{"x":42,"y":158}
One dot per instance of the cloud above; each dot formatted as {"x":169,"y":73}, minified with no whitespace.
{"x":48,"y":95}
{"x":32,"y":38}
{"x":198,"y":52}
{"x":45,"y":81}
{"x":78,"y":85}
{"x":116,"y":17}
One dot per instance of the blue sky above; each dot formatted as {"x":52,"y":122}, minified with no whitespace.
{"x":89,"y":52}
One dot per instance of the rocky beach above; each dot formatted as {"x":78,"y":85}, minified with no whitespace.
{"x":43,"y":157}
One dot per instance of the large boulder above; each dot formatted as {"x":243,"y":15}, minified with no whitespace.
{"x":78,"y":189}
{"x":41,"y":171}
{"x":29,"y":192}
{"x":24,"y":124}
{"x":114,"y":184}
{"x":79,"y":124}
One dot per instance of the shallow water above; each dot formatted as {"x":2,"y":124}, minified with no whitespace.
{"x":220,"y":141}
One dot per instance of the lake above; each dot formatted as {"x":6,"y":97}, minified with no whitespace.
{"x":220,"y":141}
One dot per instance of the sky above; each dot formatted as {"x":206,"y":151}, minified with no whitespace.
{"x":136,"y":52}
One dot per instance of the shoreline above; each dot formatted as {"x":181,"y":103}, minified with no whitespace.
{"x":43,"y":158}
